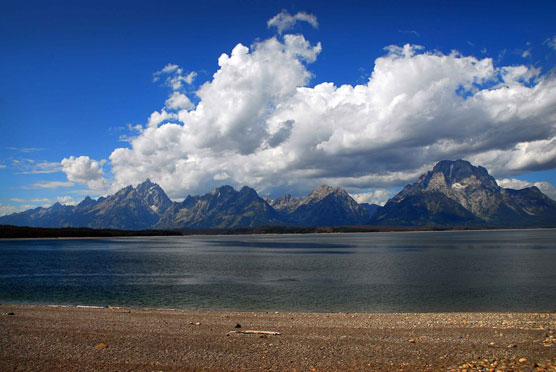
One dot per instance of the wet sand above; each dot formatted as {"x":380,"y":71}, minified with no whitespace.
{"x":46,"y":338}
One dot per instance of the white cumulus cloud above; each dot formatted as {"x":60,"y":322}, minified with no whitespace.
{"x":257,"y":121}
{"x":376,"y":196}
{"x":231,"y":121}
{"x":84,"y":170}
{"x":174,"y":76}
{"x":66,"y":200}
{"x":513,"y":183}
{"x":285,"y":21}
{"x":179,"y":101}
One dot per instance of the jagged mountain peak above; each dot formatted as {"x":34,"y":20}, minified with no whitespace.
{"x":534,"y":189}
{"x":459,"y":180}
{"x":449,"y":166}
{"x":153,"y":195}
{"x":123,"y":192}
{"x":246,"y":190}
{"x":56,"y":206}
{"x":222,"y":207}
{"x":322,"y":192}
{"x":285,"y":203}
{"x":463,"y":173}
{"x":326,"y":189}
{"x":469,"y":186}
{"x":457,"y":192}
{"x":148,"y":186}
{"x":327,"y":205}
{"x":145,"y":185}
{"x":452,"y":193}
{"x":87,"y":202}
{"x":223,"y":190}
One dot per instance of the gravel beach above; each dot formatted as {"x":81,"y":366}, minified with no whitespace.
{"x":58,"y":338}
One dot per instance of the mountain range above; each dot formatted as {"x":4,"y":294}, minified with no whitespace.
{"x":453,"y":193}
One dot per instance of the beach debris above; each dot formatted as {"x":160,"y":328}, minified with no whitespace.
{"x":505,"y":365}
{"x":238,"y":325}
{"x":549,"y":339}
{"x":194,"y":324}
{"x":252,"y":332}
{"x":411,"y":340}
{"x":10,"y":313}
{"x":88,"y":307}
{"x":100,"y":346}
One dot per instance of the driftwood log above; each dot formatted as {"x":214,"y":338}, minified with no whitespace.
{"x":251,"y":332}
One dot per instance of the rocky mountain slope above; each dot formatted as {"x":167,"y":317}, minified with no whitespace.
{"x":130,"y":208}
{"x":147,"y":207}
{"x":328,"y":206}
{"x":222,"y":207}
{"x":458,"y":193}
{"x":285,"y":203}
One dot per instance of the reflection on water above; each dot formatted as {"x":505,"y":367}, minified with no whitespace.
{"x":387,"y":272}
{"x":276,"y":244}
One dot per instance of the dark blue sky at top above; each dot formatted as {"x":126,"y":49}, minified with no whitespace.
{"x":73,"y":73}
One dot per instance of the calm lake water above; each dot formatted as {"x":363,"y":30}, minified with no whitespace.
{"x":367,"y":272}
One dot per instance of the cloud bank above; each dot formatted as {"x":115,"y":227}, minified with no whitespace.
{"x":513,"y":183}
{"x":377,"y":196}
{"x":7,"y":209}
{"x":258,"y":122}
{"x":49,"y":185}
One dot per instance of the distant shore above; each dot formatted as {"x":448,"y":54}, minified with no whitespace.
{"x":26,"y":232}
{"x":64,"y":338}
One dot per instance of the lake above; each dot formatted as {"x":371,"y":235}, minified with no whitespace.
{"x":510,"y":270}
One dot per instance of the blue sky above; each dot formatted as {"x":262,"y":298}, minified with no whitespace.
{"x":339,"y":101}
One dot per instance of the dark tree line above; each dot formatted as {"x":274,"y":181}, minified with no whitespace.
{"x":13,"y":232}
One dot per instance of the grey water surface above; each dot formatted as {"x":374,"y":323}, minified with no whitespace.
{"x":510,"y":270}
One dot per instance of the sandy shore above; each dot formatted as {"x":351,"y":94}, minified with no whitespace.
{"x":43,"y":338}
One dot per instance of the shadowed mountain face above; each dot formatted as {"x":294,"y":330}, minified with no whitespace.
{"x":458,"y":193}
{"x":328,"y":206}
{"x":147,"y":206}
{"x":285,"y":203}
{"x":225,"y":207}
{"x":454,"y":193}
{"x":130,"y":208}
{"x":222,"y":207}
